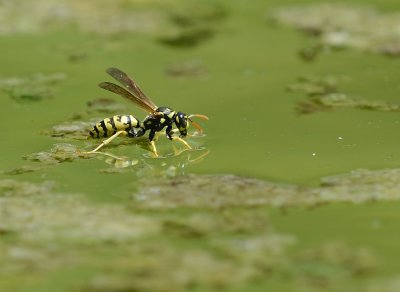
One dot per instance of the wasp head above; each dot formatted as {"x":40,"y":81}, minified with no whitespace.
{"x":181,"y":122}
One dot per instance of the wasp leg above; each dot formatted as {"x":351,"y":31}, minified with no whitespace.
{"x":153,"y":148}
{"x":152,"y":144}
{"x":173,"y":131}
{"x":176,"y":131}
{"x":169,"y":131}
{"x":182,"y":141}
{"x":107,"y":141}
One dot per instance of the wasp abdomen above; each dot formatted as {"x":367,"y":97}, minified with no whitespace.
{"x":109,"y":126}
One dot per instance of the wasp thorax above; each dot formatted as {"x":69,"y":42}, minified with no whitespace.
{"x":166,"y":111}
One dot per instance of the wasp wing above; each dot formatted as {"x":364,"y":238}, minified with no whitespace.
{"x":124,"y":93}
{"x":139,"y":97}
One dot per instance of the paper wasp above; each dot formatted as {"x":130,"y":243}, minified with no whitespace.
{"x":127,"y":125}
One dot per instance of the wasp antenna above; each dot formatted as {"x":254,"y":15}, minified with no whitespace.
{"x":197,"y":126}
{"x":203,"y":117}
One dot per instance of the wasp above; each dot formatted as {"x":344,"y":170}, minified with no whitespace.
{"x":128,"y":125}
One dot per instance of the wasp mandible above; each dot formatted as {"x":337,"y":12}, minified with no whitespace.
{"x":128,"y":125}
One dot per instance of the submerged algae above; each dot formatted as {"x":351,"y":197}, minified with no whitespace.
{"x":193,"y":23}
{"x":192,"y":68}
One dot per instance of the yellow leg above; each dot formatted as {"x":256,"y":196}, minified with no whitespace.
{"x":107,"y":141}
{"x":153,"y":148}
{"x":176,"y":131}
{"x":182,"y":141}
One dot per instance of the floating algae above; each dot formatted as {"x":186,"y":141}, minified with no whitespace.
{"x":102,"y":17}
{"x":337,"y":256}
{"x":50,"y":226}
{"x":344,"y":26}
{"x":49,"y":231}
{"x":324,"y":94}
{"x":29,"y":89}
{"x":80,"y":124}
{"x":61,"y":152}
{"x":222,"y":191}
{"x":227,"y":221}
{"x":182,"y":25}
{"x":12,"y":188}
{"x":36,"y":212}
{"x":73,"y":130}
{"x":313,"y":85}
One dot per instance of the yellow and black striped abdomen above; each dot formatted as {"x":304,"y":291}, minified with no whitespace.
{"x":109,"y":126}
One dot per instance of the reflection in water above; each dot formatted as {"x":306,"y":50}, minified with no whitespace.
{"x":168,"y":166}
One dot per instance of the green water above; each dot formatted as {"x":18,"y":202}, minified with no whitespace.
{"x":253,"y":131}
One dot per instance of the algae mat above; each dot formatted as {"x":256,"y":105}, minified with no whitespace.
{"x":292,"y":187}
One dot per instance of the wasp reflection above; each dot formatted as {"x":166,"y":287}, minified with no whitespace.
{"x":169,"y":166}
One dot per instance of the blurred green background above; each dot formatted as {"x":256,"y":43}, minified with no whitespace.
{"x":296,"y":91}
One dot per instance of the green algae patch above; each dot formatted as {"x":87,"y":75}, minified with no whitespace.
{"x":340,"y":100}
{"x":350,"y":26}
{"x":324,"y":94}
{"x":36,"y":212}
{"x":53,"y":231}
{"x":210,"y":191}
{"x":79,"y":124}
{"x":12,"y":188}
{"x":361,"y":186}
{"x":333,"y":262}
{"x":47,"y":233}
{"x":101,"y":18}
{"x":178,"y":23}
{"x":61,"y":152}
{"x":222,"y":191}
{"x":77,"y":130}
{"x":32,"y":88}
{"x":203,"y":224}
{"x":170,"y":270}
{"x":339,"y":256}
